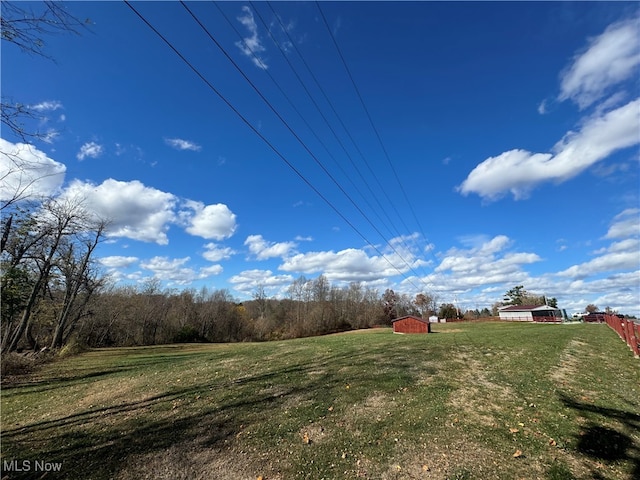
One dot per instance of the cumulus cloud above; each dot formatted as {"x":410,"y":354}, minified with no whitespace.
{"x":26,"y":172}
{"x":132,"y":209}
{"x":215,"y":222}
{"x":610,"y":58}
{"x":215,"y":253}
{"x":251,"y":46}
{"x":175,"y":271}
{"x":180,"y":144}
{"x":263,"y":250}
{"x":352,"y":265}
{"x":172,"y":270}
{"x":210,"y":271}
{"x":486,"y":263}
{"x":118,"y":261}
{"x":349,"y":265}
{"x":519,"y":171}
{"x":89,"y":149}
{"x":248,"y":280}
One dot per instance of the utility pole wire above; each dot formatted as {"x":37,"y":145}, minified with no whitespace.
{"x":355,"y":86}
{"x":303,"y":144}
{"x":302,"y":117}
{"x":265,"y":140}
{"x":355,"y":144}
{"x":344,"y":127}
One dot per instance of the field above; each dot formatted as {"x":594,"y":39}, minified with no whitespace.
{"x":470,"y":401}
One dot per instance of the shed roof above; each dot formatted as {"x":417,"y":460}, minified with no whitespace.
{"x":526,"y":308}
{"x":410,"y":316}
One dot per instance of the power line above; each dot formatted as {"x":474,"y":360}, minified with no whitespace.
{"x":295,"y":135}
{"x":366,"y":110}
{"x":265,"y":140}
{"x":302,"y":117}
{"x":347,"y":131}
{"x":337,"y":115}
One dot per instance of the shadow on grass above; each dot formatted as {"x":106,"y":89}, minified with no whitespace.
{"x":100,"y":442}
{"x":604,"y":443}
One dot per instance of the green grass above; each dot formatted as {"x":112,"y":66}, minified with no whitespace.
{"x":471,"y":401}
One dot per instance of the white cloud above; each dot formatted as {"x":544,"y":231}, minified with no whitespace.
{"x":519,"y":171}
{"x":542,"y":108}
{"x":47,"y":106}
{"x":611,"y":261}
{"x":180,"y":144}
{"x":487,"y":262}
{"x":625,"y":224}
{"x":175,"y":271}
{"x":215,"y":253}
{"x":50,"y":136}
{"x":251,"y":46}
{"x":211,"y":221}
{"x":117,"y":261}
{"x":171,"y":270}
{"x":26,"y":172}
{"x":623,"y":254}
{"x":133,"y":210}
{"x":610,"y":58}
{"x":350,"y":265}
{"x":247,"y":281}
{"x":89,"y":149}
{"x":264,"y":250}
{"x":210,"y":271}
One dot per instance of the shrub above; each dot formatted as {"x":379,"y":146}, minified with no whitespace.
{"x":16,"y":364}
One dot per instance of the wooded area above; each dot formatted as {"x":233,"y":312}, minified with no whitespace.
{"x":54,"y":292}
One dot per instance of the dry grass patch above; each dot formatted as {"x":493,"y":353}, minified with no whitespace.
{"x":191,"y":461}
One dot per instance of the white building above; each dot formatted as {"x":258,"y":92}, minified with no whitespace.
{"x":530,"y":313}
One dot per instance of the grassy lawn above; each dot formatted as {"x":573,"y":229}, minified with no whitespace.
{"x":471,"y":401}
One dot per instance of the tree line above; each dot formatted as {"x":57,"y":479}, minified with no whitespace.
{"x":54,"y":292}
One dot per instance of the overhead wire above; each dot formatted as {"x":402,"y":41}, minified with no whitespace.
{"x":295,"y":135}
{"x":351,"y":138}
{"x":267,"y":142}
{"x":335,"y":112}
{"x":295,"y":108}
{"x":366,"y":110}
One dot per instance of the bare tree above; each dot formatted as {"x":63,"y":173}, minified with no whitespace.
{"x":78,"y":277}
{"x":51,"y":228}
{"x":27,"y":25}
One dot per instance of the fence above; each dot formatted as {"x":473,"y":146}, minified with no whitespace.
{"x":627,"y":330}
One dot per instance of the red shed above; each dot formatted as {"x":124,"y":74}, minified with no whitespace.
{"x":411,"y":324}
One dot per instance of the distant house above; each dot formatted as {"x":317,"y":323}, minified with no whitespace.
{"x":530,"y":313}
{"x":411,"y":324}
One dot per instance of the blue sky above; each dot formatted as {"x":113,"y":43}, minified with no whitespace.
{"x":468,"y":148}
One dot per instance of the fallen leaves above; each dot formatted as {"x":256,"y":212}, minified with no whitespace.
{"x":514,"y":430}
{"x":517,"y":454}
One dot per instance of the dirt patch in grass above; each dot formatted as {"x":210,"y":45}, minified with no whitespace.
{"x":448,"y":458}
{"x":477,"y":398}
{"x":569,"y":362}
{"x":193,"y":462}
{"x":450,"y":330}
{"x":373,"y":409}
